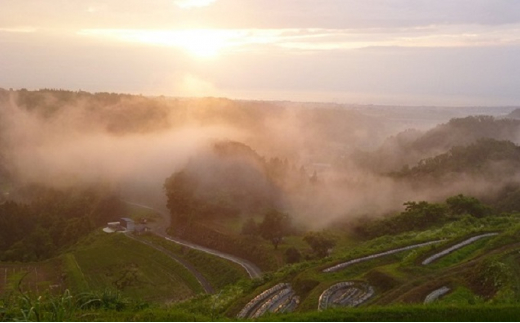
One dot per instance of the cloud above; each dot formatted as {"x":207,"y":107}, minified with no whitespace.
{"x":20,"y":29}
{"x":212,"y":41}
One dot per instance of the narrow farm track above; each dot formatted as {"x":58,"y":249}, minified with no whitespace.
{"x":200,"y":278}
{"x":252,"y":270}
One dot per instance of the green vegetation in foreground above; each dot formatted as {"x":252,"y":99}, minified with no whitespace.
{"x":402,"y":313}
{"x":140,"y":283}
{"x":112,"y":307}
{"x":136,"y":270}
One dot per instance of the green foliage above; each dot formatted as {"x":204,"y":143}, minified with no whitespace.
{"x":420,"y":216}
{"x":52,"y":221}
{"x":75,"y":277}
{"x":275,"y":226}
{"x":460,"y":204}
{"x":417,"y":216}
{"x":64,"y":307}
{"x":320,"y":242}
{"x":406,"y":313}
{"x":461,"y":296}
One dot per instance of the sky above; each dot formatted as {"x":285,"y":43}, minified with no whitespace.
{"x":395,"y":52}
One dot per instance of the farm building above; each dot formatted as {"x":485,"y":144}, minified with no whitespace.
{"x":128,"y":224}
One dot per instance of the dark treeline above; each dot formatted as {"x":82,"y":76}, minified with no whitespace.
{"x":421,"y":215}
{"x":51,"y":220}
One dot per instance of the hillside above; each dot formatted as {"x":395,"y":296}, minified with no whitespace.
{"x":425,"y":224}
{"x":469,"y":263}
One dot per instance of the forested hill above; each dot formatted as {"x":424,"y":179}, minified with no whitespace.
{"x":411,"y":146}
{"x":486,"y":157}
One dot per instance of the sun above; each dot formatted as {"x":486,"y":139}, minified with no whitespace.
{"x":203,"y":43}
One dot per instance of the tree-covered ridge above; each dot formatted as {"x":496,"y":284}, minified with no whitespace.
{"x":412,"y":146}
{"x":486,"y":157}
{"x":52,"y":220}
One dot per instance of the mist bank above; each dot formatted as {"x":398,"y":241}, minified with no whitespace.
{"x":322,"y":163}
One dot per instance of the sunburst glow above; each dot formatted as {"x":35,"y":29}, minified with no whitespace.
{"x":198,"y":42}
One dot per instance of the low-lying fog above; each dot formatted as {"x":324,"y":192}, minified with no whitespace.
{"x":61,"y":139}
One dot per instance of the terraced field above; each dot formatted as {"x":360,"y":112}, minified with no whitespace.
{"x":348,"y":293}
{"x":377,"y":255}
{"x":278,"y":299}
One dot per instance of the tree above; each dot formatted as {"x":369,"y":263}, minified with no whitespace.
{"x":460,"y":204}
{"x":275,"y":226}
{"x":180,"y":191}
{"x":320,"y":243}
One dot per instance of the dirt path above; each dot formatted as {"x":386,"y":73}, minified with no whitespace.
{"x":200,"y":278}
{"x":252,"y":270}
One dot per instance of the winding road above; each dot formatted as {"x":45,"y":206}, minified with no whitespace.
{"x":252,"y":270}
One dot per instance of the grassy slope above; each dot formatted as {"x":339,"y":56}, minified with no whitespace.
{"x":115,"y":261}
{"x":484,"y":273}
{"x":218,"y":271}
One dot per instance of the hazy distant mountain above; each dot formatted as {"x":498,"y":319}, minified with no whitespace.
{"x":411,"y":146}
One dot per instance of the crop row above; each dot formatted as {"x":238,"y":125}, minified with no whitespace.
{"x":274,"y":303}
{"x":455,"y":247}
{"x":345,"y":294}
{"x":389,"y":252}
{"x":436,"y":294}
{"x":259,"y":298}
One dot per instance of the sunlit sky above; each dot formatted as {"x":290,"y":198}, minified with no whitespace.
{"x":407,"y":52}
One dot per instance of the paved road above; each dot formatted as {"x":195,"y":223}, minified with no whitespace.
{"x":252,"y":270}
{"x":201,"y":279}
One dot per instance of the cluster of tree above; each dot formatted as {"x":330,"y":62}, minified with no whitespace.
{"x":274,"y":227}
{"x":277,"y":225}
{"x":52,"y":221}
{"x":422,"y":215}
{"x":228,"y":180}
